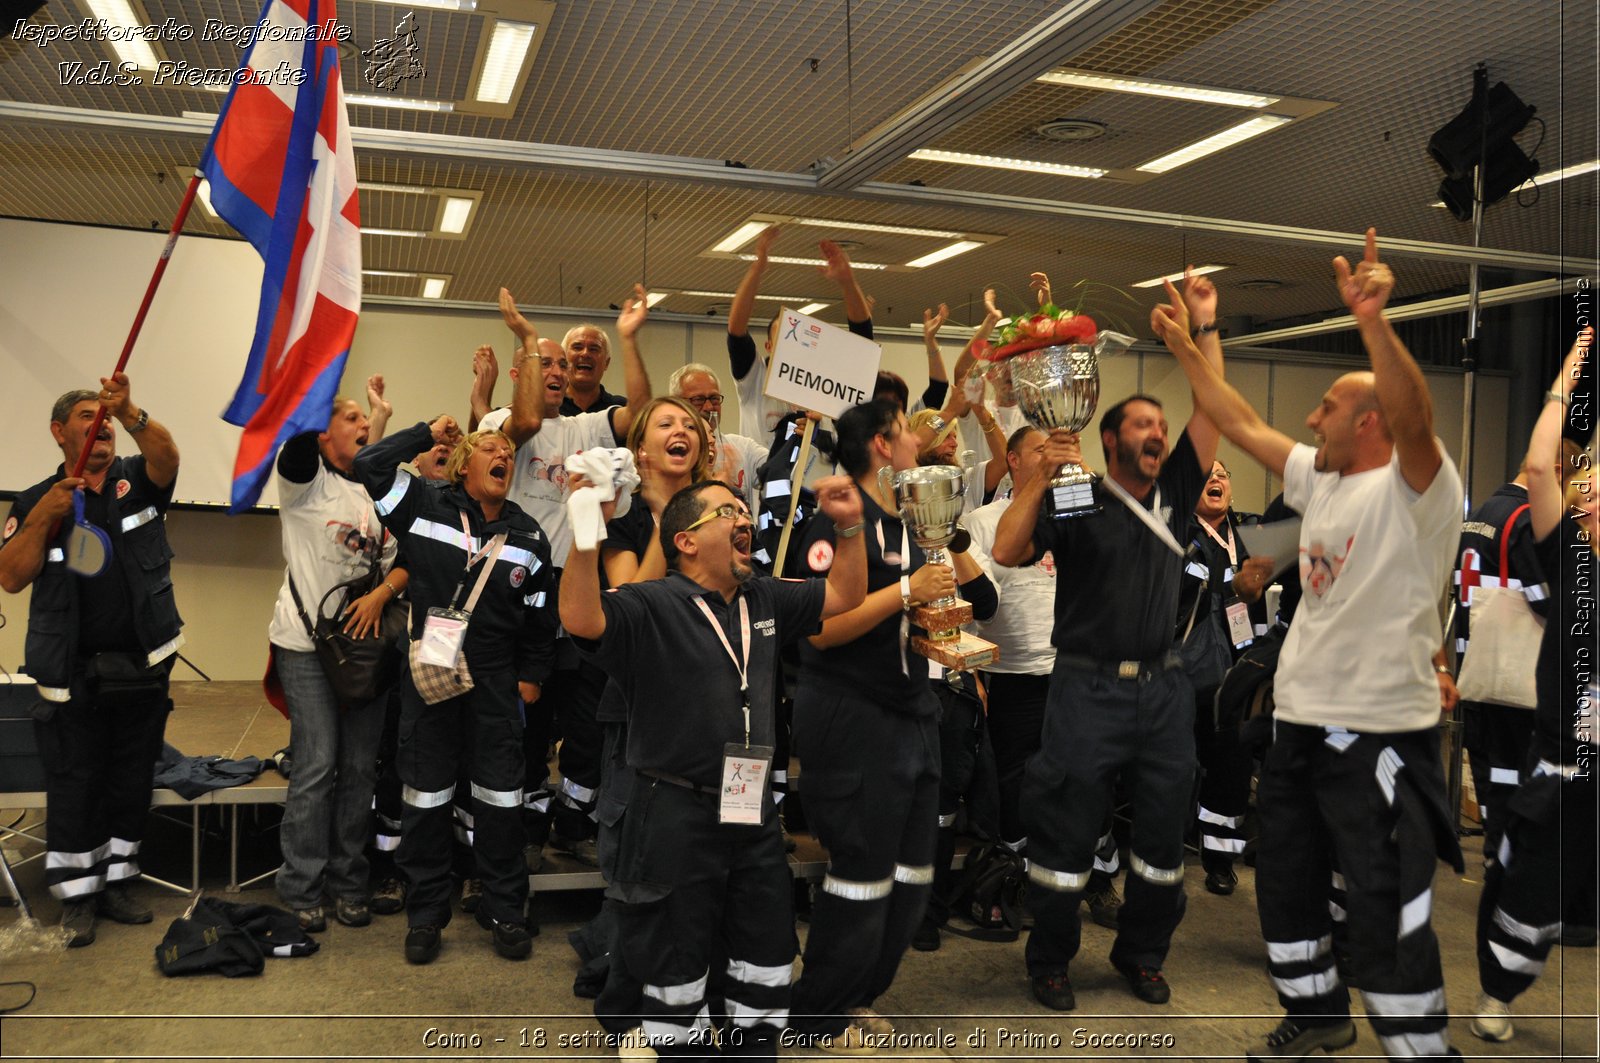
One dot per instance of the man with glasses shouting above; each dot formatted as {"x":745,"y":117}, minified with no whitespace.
{"x":701,"y":869}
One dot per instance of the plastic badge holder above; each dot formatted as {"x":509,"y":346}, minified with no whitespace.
{"x":87,"y":547}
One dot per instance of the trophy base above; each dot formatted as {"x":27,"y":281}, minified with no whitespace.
{"x":961,"y":654}
{"x":936,"y":618}
{"x":1072,"y":500}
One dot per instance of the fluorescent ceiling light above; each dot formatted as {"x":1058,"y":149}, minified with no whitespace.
{"x":960,"y":247}
{"x":433,"y":287}
{"x":125,"y":39}
{"x":653,"y":298}
{"x":961,"y":158}
{"x":1576,"y":170}
{"x":389,"y":273}
{"x":1215,"y":142}
{"x":508,"y":50}
{"x":435,"y":5}
{"x":394,"y":232}
{"x":741,"y":236}
{"x":204,"y":195}
{"x":785,"y":261}
{"x":759,"y":298}
{"x":811,"y":308}
{"x":457,"y":209}
{"x":1145,"y":87}
{"x":376,"y":186}
{"x":872,"y":227}
{"x":1155,"y":282}
{"x":398,"y":103}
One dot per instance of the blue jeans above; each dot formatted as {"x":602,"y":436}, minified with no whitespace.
{"x":326,"y":821}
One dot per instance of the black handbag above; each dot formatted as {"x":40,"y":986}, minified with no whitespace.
{"x":358,"y":670}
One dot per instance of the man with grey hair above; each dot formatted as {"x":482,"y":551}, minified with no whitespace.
{"x":588,"y":351}
{"x":735,"y":459}
{"x":100,"y":645}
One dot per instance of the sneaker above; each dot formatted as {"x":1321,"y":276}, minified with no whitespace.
{"x":511,"y":940}
{"x":352,"y":911}
{"x":422,"y":944}
{"x":1221,"y":881}
{"x":471,"y":894}
{"x":1054,"y":991}
{"x":926,"y":937}
{"x":533,"y":856}
{"x":78,"y":918}
{"x":851,"y":1041}
{"x":1147,"y":983}
{"x":118,"y":905}
{"x":871,"y":1022}
{"x":1493,"y":1022}
{"x":1105,"y":906}
{"x":313,"y":920}
{"x":1291,"y":1040}
{"x":635,"y":1045}
{"x":390,"y":897}
{"x":580,"y":849}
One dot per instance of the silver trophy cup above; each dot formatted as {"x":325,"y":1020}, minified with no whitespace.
{"x":1059,"y":387}
{"x":931,"y":498}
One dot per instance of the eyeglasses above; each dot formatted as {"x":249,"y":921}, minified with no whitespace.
{"x":731,"y":510}
{"x":698,"y":401}
{"x":1222,"y":474}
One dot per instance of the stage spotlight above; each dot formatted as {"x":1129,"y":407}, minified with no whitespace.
{"x":1507,"y":170}
{"x":1456,"y":146}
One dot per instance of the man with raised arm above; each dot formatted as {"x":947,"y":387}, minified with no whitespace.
{"x":545,"y":439}
{"x":99,"y":646}
{"x":1119,"y":702}
{"x":701,"y":873}
{"x":1353,"y":777}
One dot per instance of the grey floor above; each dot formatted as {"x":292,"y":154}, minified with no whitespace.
{"x":358,"y":999}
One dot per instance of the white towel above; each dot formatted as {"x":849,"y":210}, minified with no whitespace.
{"x":611,"y":473}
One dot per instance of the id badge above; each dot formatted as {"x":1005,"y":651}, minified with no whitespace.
{"x":1240,"y":631}
{"x":745,"y":772}
{"x":442,"y":636}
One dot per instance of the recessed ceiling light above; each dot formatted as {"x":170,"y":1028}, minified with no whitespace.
{"x":1155,"y":282}
{"x":1144,"y":87}
{"x":786,"y":261}
{"x":457,"y":209}
{"x":394,"y":232}
{"x":1216,"y":142}
{"x":376,"y":186}
{"x":873,"y":227}
{"x":435,"y":5}
{"x":398,"y":103}
{"x":1576,"y":170}
{"x":126,"y":35}
{"x":653,"y":298}
{"x":389,"y":273}
{"x":433,"y":287}
{"x":961,"y":158}
{"x":960,"y":247}
{"x":508,"y":51}
{"x":759,"y":297}
{"x":811,"y":308}
{"x":204,"y":195}
{"x":741,"y":236}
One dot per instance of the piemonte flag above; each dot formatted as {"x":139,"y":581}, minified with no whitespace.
{"x":283,"y":173}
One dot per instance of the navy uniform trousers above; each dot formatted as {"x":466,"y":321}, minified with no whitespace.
{"x":481,"y":731}
{"x":1375,"y":804}
{"x":871,"y":789}
{"x":1098,"y":726}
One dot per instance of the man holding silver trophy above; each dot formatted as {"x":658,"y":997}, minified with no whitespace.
{"x":1119,"y":703}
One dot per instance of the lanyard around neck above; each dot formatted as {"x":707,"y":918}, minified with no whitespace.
{"x":741,"y":661}
{"x":491,"y":548}
{"x":1155,"y":524}
{"x":1227,"y":544}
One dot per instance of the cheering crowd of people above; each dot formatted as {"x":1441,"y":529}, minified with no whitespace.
{"x":525,"y":584}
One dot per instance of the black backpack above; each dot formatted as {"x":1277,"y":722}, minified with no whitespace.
{"x":991,"y":893}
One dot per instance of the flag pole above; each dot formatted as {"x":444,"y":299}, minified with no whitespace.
{"x":144,"y":309}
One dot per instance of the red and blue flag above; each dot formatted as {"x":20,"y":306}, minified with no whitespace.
{"x":283,"y":173}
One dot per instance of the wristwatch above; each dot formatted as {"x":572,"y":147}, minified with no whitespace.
{"x":1201,"y":330}
{"x":140,"y":423}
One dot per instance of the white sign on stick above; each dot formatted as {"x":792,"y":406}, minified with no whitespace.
{"x":818,"y":366}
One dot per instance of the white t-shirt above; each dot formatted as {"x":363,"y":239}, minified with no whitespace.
{"x":1375,"y":558}
{"x":539,"y":484}
{"x":1021,"y":625}
{"x":758,"y":415}
{"x":330,"y":534}
{"x":738,"y":464}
